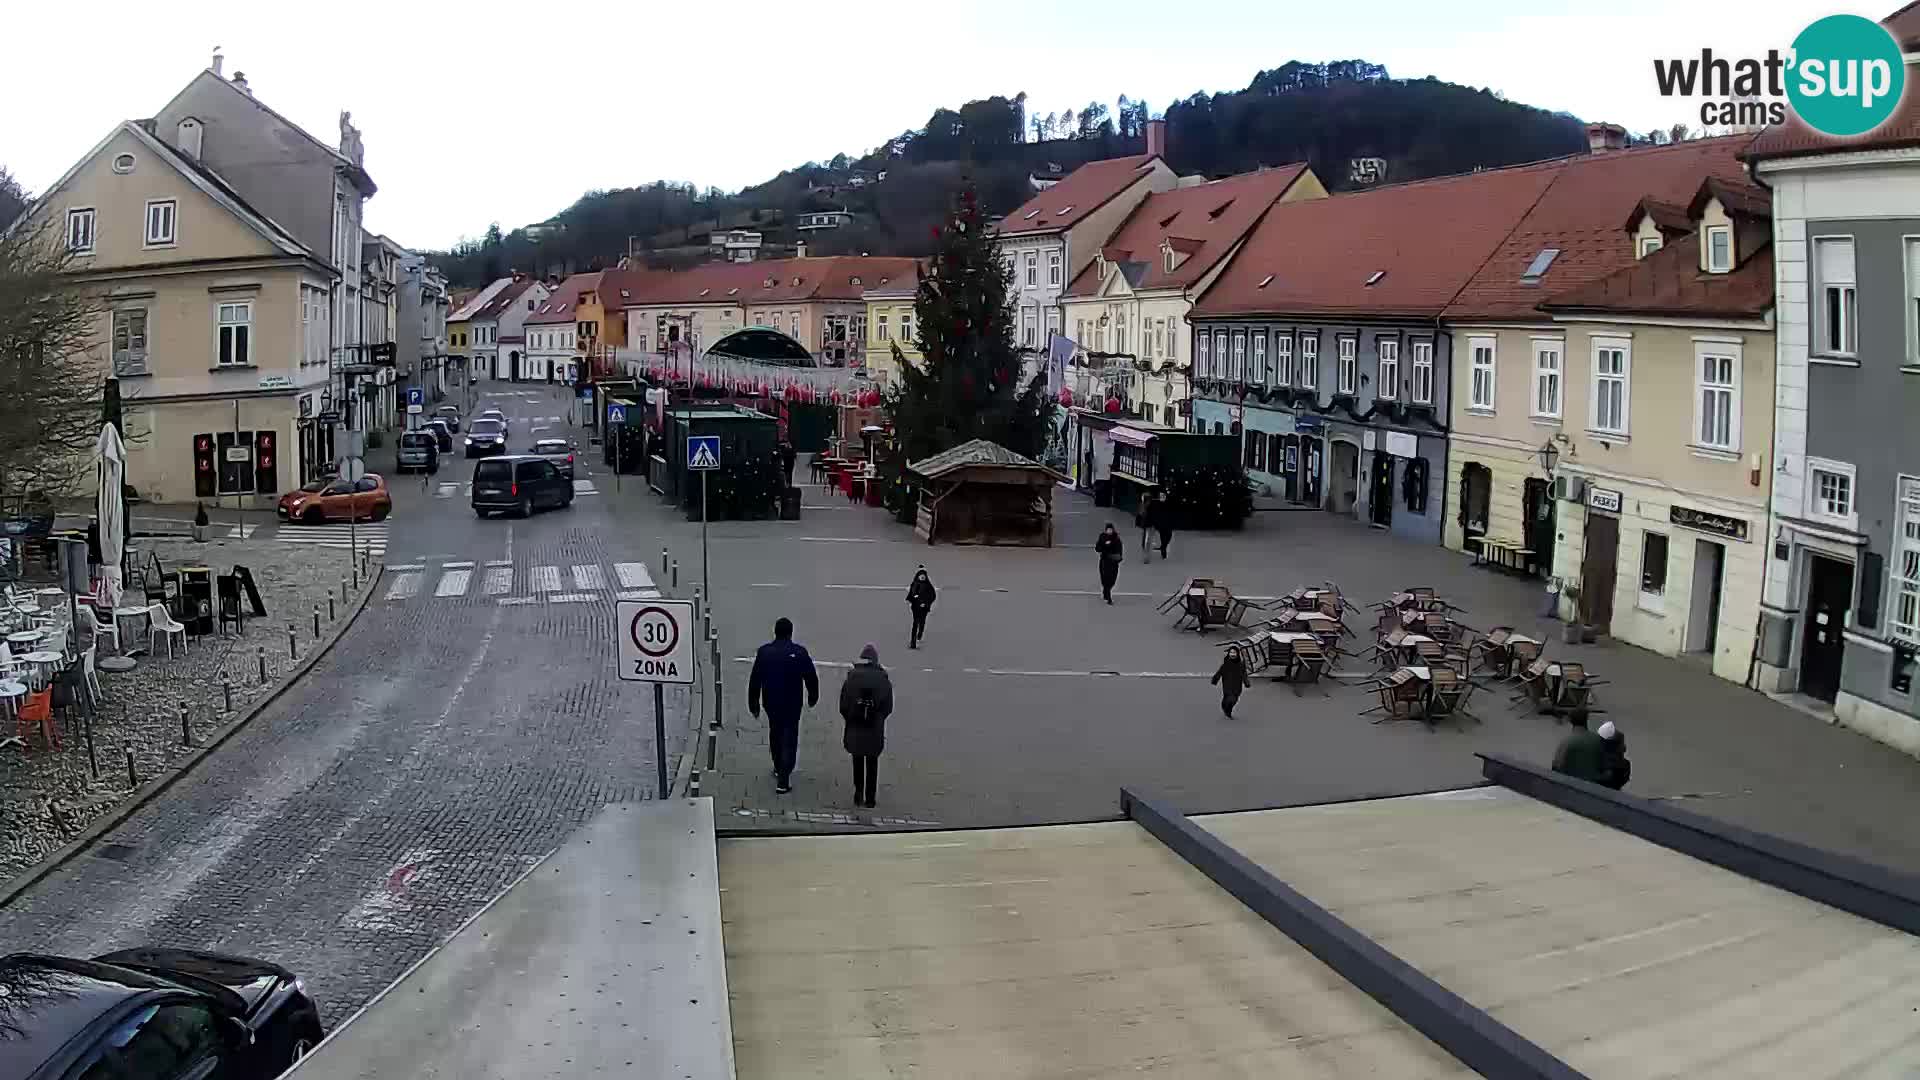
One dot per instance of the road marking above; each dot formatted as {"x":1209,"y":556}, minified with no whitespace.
{"x":1087,"y":592}
{"x":840,"y":539}
{"x":585,"y":487}
{"x":499,"y":580}
{"x":457,"y":565}
{"x":588,"y":576}
{"x":453,"y":583}
{"x":546,"y":579}
{"x":768,"y":585}
{"x":572,"y":598}
{"x":506,"y":601}
{"x":1048,"y":674}
{"x":640,"y":594}
{"x":499,"y":562}
{"x":1019,"y":673}
{"x":887,"y":587}
{"x":633,"y":575}
{"x":397,"y":567}
{"x":403,"y":587}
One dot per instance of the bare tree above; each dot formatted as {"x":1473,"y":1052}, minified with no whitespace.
{"x":1679,"y":133}
{"x":48,"y":378}
{"x":13,"y":198}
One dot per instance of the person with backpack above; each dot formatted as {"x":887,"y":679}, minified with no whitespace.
{"x":866,"y":700}
{"x":920,"y":597}
{"x":1110,"y":551}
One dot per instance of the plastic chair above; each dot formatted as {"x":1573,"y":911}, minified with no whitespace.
{"x":38,"y":709}
{"x":103,"y":625}
{"x":91,"y":673}
{"x":166,"y":627}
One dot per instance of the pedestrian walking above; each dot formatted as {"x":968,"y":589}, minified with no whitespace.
{"x":1162,"y":522}
{"x":781,"y":670}
{"x":1582,"y":754}
{"x":1143,"y":517}
{"x":1231,"y":678}
{"x":866,"y":700}
{"x":787,"y":457}
{"x":920,"y":597}
{"x":1615,"y":769}
{"x":1111,"y":554}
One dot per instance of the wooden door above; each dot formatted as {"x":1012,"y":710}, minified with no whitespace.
{"x":1829,"y":595}
{"x":1599,"y":570}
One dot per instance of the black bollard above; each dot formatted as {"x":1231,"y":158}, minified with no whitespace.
{"x":186,"y":726}
{"x":331,"y":614}
{"x":133,"y":776}
{"x":316,"y":622}
{"x":86,"y":732}
{"x":676,"y":574}
{"x":226,"y":687}
{"x":293,"y":644}
{"x":262,"y":650}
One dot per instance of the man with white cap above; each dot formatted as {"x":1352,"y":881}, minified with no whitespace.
{"x":1614,"y":766}
{"x":1582,"y":754}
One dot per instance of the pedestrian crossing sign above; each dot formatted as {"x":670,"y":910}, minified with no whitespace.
{"x":703,"y":451}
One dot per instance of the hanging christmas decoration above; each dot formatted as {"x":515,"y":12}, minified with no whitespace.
{"x":1113,"y":406}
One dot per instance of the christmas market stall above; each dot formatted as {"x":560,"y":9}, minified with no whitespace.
{"x":747,"y":485}
{"x":982,"y":493}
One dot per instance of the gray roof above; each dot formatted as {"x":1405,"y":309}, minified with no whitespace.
{"x":972,"y":453}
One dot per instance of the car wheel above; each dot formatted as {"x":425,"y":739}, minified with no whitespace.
{"x":313,"y":517}
{"x":380,"y":512}
{"x":479,"y":513}
{"x":526,"y":507}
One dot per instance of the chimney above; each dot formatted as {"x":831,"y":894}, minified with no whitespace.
{"x":219,"y":61}
{"x":1603,"y":137}
{"x":800,"y":250}
{"x":240,"y":83}
{"x":186,"y":137}
{"x":1157,"y":138}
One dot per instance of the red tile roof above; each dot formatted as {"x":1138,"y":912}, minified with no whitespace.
{"x":1317,"y":255}
{"x":503,"y":300}
{"x":1904,"y":25}
{"x":1204,"y":222}
{"x":1670,"y":282}
{"x":1900,"y":130}
{"x":563,"y":305}
{"x":1078,"y":194}
{"x":1667,"y":217}
{"x":833,"y":277}
{"x":1579,"y":215}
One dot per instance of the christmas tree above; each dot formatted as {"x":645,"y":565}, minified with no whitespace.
{"x":968,"y":385}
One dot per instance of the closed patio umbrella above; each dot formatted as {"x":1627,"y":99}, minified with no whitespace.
{"x":111,"y":452}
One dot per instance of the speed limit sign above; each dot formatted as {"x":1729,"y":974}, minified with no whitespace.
{"x":656,"y":640}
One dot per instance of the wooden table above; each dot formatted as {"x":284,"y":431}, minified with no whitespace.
{"x":1510,"y":555}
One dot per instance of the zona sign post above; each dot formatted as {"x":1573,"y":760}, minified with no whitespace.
{"x":655,"y":639}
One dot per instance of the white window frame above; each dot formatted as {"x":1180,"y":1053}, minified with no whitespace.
{"x":1283,"y":359}
{"x":170,"y":218}
{"x":1651,"y":244}
{"x":1702,"y":350}
{"x":1053,"y":267}
{"x":1260,"y":357}
{"x":1203,"y":358}
{"x":1655,"y":600}
{"x":127,"y":365}
{"x":1053,"y":324}
{"x":1483,"y":393}
{"x":1598,"y":380}
{"x":906,"y":327}
{"x":1386,"y":378}
{"x":1848,"y":298}
{"x":1310,"y":361}
{"x":1222,"y":358}
{"x":1718,"y":232}
{"x":1033,"y":269}
{"x":1911,"y":253}
{"x":1903,"y":570}
{"x":225,"y":328}
{"x":880,"y":327}
{"x":1347,"y":348}
{"x":1817,"y":509}
{"x":1239,"y":356}
{"x":1549,"y":398}
{"x":1172,"y":342}
{"x":80,"y":230}
{"x":1423,"y":373}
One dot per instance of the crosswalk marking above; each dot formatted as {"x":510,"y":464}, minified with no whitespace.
{"x":585,"y":487}
{"x":633,"y":575}
{"x":571,"y":598}
{"x":403,"y":586}
{"x":499,"y":580}
{"x":575,"y":584}
{"x":453,"y":583}
{"x":546,"y":579}
{"x":588,"y":577}
{"x":640,"y":594}
{"x":368,"y":536}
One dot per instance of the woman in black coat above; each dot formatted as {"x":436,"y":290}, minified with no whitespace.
{"x":866,"y":700}
{"x":1110,"y":555}
{"x":1231,"y":679}
{"x":920,"y":597}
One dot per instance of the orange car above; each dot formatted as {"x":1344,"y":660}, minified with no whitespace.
{"x":365,"y":499}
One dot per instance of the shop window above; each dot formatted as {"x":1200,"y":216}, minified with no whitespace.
{"x":1653,"y":565}
{"x":1413,"y":487}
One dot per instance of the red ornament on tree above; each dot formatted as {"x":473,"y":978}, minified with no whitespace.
{"x":1113,"y":406}
{"x":1066,"y":396}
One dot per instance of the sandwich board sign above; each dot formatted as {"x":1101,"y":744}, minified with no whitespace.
{"x":703,"y":451}
{"x":656,"y":640}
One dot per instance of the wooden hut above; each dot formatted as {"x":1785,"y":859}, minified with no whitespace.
{"x":983,"y":493}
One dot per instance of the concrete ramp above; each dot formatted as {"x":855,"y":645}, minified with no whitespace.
{"x":1057,"y":951}
{"x":605,"y":960}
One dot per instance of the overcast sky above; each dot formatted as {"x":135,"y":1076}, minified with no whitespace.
{"x":473,"y":114}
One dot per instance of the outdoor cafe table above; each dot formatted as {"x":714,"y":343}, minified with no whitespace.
{"x":11,"y":691}
{"x":26,"y":637}
{"x":42,"y":659}
{"x":120,"y":614}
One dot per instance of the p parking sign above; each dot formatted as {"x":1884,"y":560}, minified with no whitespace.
{"x":656,"y":640}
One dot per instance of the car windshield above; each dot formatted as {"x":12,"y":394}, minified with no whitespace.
{"x":416,"y":438}
{"x":488,"y":427}
{"x":312,"y":486}
{"x":550,"y":446}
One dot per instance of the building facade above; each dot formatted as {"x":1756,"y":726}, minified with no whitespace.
{"x":890,"y":326}
{"x":553,"y":331}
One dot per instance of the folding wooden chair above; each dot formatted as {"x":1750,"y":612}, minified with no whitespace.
{"x":1402,"y":696}
{"x":1448,"y":694}
{"x":1533,"y":686}
{"x":1310,"y":661}
{"x":1520,"y":656}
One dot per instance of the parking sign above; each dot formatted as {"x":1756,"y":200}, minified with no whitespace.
{"x":656,"y":640}
{"x":416,"y":395}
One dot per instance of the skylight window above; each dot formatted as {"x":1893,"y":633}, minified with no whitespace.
{"x":1375,"y":278}
{"x":704,"y":292}
{"x":625,"y":295}
{"x":1030,"y":215}
{"x":1068,"y":209}
{"x":1265,"y":281}
{"x":1537,"y":269}
{"x":1168,"y":220}
{"x":1218,"y":210}
{"x":735,"y":291}
{"x":855,"y":279}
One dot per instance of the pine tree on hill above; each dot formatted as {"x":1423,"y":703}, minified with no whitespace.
{"x":967,"y":385}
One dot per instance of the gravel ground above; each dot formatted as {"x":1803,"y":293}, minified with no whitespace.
{"x":48,"y":797}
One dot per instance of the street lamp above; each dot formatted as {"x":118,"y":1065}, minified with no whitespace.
{"x":1549,"y":456}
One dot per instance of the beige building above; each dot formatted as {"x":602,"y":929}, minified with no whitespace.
{"x":890,"y":324}
{"x":214,"y":318}
{"x":1669,"y":381}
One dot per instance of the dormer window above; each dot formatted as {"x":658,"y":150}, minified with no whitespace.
{"x":1068,"y":209}
{"x":1030,"y":215}
{"x":1374,"y":278}
{"x":1719,"y":249}
{"x":1537,"y":269}
{"x":1649,"y":245}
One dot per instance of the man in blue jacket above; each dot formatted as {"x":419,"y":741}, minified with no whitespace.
{"x":780,"y":669}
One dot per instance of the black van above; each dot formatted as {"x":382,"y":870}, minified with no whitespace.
{"x":519,"y":482}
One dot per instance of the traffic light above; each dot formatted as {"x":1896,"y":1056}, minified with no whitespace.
{"x":206,"y":483}
{"x":265,"y":478}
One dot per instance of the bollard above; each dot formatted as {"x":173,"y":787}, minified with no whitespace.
{"x":86,"y":732}
{"x":316,"y":622}
{"x":226,"y":688}
{"x":293,"y":644}
{"x":331,"y":614}
{"x":186,"y":726}
{"x":663,"y":560}
{"x":676,"y":574}
{"x":262,"y":650}
{"x":133,"y":776}
{"x":343,"y":591}
{"x":59,"y":819}
{"x":696,"y":605}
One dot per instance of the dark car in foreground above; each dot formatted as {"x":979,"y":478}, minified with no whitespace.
{"x":558,"y":451}
{"x":520,"y":484}
{"x":152,"y":1014}
{"x":486,"y":437}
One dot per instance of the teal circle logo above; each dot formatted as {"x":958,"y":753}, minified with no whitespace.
{"x":1847,"y":75}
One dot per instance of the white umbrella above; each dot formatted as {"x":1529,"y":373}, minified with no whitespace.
{"x":112,"y":454}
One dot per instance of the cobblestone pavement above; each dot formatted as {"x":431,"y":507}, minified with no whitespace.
{"x":442,"y":747}
{"x":140,"y":709}
{"x":1032,"y":701}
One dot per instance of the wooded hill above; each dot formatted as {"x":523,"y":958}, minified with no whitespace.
{"x":1325,"y":114}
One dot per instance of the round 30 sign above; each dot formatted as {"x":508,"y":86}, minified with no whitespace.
{"x":654,"y":644}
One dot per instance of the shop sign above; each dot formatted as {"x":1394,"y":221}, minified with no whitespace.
{"x":1309,"y":423}
{"x":1604,"y":499}
{"x":1403,"y":444}
{"x":1687,"y":517}
{"x":275,"y":382}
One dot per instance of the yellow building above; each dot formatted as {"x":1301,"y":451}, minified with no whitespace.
{"x":890,"y":326}
{"x":214,"y":318}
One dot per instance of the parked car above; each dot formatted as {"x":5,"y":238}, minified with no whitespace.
{"x":486,"y":437}
{"x":519,"y":483}
{"x":420,"y":450}
{"x":365,"y":499}
{"x":558,"y":451}
{"x":451,"y":414}
{"x":164,"y":1014}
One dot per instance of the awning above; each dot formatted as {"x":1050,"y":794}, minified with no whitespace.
{"x":1132,"y":436}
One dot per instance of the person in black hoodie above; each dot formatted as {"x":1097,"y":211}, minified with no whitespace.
{"x":1110,"y":556}
{"x":920,"y":597}
{"x":1615,"y":769}
{"x":866,"y":700}
{"x":1231,"y":679}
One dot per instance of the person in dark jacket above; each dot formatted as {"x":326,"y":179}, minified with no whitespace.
{"x":781,"y":669}
{"x":866,"y":700}
{"x":787,"y":456}
{"x":1144,"y":519}
{"x":1614,"y":766}
{"x":1582,"y":754}
{"x":1231,"y":679}
{"x":1110,"y":555}
{"x":920,"y":597}
{"x":1161,"y":518}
